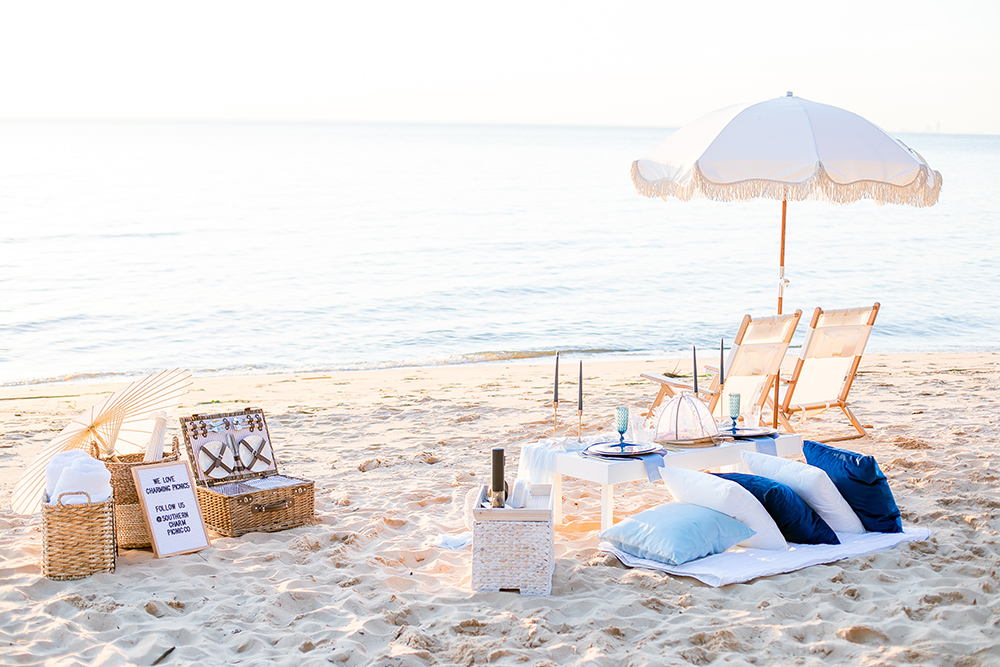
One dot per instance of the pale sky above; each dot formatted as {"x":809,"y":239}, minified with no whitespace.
{"x":908,"y":66}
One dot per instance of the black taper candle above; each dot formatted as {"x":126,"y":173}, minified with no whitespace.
{"x":722,"y":363}
{"x":555,"y":390}
{"x":694,"y":368}
{"x":579,"y":405}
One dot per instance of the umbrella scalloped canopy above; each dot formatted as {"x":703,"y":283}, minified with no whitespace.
{"x":788,"y":149}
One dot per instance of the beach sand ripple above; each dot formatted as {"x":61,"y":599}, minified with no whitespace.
{"x":393,"y":453}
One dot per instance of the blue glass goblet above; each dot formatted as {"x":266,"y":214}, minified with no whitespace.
{"x":734,"y":409}
{"x":621,"y":422}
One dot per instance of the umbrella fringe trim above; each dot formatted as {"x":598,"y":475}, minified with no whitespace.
{"x":922,"y":191}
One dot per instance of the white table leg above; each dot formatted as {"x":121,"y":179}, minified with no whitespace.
{"x":557,"y":498}
{"x":607,"y":506}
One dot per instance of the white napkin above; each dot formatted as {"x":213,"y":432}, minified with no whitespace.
{"x":57,"y":464}
{"x":83,"y":474}
{"x":453,"y":542}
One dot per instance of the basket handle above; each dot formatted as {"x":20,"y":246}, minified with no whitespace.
{"x":273,"y":507}
{"x":73,"y":493}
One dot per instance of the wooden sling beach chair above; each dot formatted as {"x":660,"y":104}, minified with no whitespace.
{"x":752,"y":366}
{"x":827,"y":364}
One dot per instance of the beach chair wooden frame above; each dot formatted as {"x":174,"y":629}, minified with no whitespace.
{"x":833,"y":335}
{"x":761,"y":339}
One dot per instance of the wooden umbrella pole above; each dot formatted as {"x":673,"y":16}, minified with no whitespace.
{"x":781,"y":257}
{"x":781,"y":294}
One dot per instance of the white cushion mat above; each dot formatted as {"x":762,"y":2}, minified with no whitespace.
{"x":739,"y":565}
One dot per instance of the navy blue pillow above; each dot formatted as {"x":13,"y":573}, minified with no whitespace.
{"x":798,"y":522}
{"x":861,"y":482}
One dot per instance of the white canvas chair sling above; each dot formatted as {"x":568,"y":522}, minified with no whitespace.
{"x":827,"y":365}
{"x":752,"y":365}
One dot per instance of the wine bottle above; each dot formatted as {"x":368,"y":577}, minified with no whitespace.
{"x":498,"y":485}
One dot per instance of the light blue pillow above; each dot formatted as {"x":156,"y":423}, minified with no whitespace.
{"x":675,"y":533}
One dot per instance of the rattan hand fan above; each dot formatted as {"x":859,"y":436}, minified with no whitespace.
{"x":121,"y":419}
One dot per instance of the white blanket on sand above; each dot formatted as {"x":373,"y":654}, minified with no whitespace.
{"x":739,"y":565}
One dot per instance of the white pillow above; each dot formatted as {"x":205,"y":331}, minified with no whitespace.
{"x":812,"y":484}
{"x":728,"y":497}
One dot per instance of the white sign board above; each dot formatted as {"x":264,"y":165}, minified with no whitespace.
{"x":170,"y":505}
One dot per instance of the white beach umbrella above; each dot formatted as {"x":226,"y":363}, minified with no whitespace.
{"x":789,"y":149}
{"x":124,"y":420}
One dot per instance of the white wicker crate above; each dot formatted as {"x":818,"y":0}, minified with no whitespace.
{"x":513,"y":549}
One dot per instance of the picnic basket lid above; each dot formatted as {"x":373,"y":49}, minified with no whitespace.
{"x":229,"y":446}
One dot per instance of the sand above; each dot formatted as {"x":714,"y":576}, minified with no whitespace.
{"x":393,"y":453}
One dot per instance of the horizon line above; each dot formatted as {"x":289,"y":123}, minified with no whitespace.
{"x":435,"y":123}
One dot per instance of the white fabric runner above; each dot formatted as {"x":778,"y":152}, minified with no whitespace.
{"x":739,"y":565}
{"x":537,"y":462}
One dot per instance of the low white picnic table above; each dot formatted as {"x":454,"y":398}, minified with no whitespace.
{"x":607,"y":473}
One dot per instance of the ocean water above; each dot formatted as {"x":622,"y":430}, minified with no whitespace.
{"x":265,"y":247}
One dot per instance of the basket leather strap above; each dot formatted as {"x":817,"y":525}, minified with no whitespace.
{"x":217,"y":462}
{"x":257,"y":453}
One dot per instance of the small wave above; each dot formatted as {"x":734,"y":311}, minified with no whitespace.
{"x":510,"y":355}
{"x":78,"y":378}
{"x":244,"y":370}
{"x":486,"y":357}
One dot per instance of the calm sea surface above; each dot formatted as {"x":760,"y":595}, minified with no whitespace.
{"x":248,"y":248}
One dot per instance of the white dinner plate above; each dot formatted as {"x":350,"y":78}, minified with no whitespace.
{"x":212,"y":450}
{"x":251,"y":444}
{"x":629,"y":449}
{"x":747,"y":431}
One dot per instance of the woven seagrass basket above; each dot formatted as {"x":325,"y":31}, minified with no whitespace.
{"x":131,"y":530}
{"x":78,"y":540}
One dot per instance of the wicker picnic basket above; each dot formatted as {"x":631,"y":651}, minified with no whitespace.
{"x":239,"y":487}
{"x":131,"y":530}
{"x":512,"y":549}
{"x":77,"y":540}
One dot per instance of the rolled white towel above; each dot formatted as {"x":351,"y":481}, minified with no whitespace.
{"x":154,"y":450}
{"x":56,"y":465}
{"x":83,"y":474}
